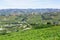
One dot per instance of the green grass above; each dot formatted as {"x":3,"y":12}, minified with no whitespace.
{"x":51,"y":33}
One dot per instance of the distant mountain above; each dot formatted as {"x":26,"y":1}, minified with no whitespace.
{"x":26,"y":11}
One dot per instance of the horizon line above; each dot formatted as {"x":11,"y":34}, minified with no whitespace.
{"x":29,"y":8}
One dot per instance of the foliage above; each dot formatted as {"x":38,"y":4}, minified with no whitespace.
{"x":51,"y":33}
{"x":39,"y":26}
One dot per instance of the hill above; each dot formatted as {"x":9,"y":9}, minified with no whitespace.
{"x":51,"y":33}
{"x":26,"y":11}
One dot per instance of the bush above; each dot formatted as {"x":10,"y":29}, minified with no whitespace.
{"x":41,"y":26}
{"x":2,"y":32}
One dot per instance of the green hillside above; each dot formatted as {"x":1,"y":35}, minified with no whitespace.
{"x":51,"y":33}
{"x":30,"y":26}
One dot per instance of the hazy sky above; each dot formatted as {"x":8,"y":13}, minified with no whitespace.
{"x":29,"y":4}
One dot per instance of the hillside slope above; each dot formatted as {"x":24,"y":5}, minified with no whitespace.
{"x":52,"y":33}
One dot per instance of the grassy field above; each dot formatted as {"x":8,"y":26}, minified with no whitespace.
{"x":51,"y":33}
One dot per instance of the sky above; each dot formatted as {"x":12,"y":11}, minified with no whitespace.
{"x":25,"y":4}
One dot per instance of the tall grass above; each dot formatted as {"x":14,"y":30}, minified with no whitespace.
{"x":50,"y":33}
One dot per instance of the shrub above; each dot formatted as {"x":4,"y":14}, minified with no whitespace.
{"x":2,"y":32}
{"x":39,"y":26}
